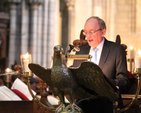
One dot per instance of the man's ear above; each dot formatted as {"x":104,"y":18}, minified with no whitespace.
{"x":103,"y":32}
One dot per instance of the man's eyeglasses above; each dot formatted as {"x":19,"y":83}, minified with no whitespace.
{"x":91,"y":32}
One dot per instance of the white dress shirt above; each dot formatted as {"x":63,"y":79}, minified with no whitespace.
{"x":100,"y":47}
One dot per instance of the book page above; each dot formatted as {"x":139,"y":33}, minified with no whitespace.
{"x":3,"y":96}
{"x":23,"y":88}
{"x":7,"y":94}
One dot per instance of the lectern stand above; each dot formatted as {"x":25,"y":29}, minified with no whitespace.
{"x":17,"y":107}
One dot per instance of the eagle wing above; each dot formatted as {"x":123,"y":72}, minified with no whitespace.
{"x":42,"y":73}
{"x":90,"y":76}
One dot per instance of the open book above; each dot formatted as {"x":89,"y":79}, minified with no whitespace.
{"x":19,"y":91}
{"x":22,"y":87}
{"x":7,"y":94}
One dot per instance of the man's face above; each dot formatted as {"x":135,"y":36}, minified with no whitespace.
{"x":93,"y":32}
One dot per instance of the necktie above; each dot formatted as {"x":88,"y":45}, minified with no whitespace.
{"x":95,"y":55}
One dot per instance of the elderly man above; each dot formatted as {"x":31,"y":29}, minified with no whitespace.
{"x":110,"y":57}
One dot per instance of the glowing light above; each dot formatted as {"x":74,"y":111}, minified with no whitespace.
{"x":8,"y":70}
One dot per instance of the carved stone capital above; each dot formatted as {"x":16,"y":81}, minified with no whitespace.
{"x":14,"y":1}
{"x":69,"y":4}
{"x":35,"y":1}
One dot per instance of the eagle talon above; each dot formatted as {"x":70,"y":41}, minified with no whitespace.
{"x":60,"y":109}
{"x":73,"y":108}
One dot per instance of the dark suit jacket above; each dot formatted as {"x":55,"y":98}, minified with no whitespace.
{"x":112,"y":62}
{"x":114,"y":66}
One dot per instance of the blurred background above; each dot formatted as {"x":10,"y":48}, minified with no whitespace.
{"x":36,"y":26}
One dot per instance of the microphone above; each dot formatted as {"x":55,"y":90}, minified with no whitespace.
{"x":73,"y":48}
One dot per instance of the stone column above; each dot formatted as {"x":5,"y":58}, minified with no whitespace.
{"x":51,"y":30}
{"x":24,"y":28}
{"x":98,"y":8}
{"x":12,"y":36}
{"x":71,"y":25}
{"x":111,"y":5}
{"x":133,"y":15}
{"x":33,"y":36}
{"x":45,"y":31}
{"x":112,"y":20}
{"x":138,"y":16}
{"x":39,"y":35}
{"x":71,"y":18}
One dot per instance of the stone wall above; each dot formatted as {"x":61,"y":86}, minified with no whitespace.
{"x":60,"y":22}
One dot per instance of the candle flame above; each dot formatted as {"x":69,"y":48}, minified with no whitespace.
{"x":139,"y":52}
{"x":25,"y":56}
{"x":131,"y":47}
{"x":8,"y":70}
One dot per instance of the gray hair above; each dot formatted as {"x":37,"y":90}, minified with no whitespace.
{"x":100,"y":22}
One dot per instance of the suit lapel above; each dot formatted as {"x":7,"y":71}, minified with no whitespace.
{"x":104,"y":54}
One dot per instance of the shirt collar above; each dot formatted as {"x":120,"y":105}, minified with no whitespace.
{"x":100,"y":46}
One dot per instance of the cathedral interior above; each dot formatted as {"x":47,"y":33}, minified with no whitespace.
{"x":36,"y":26}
